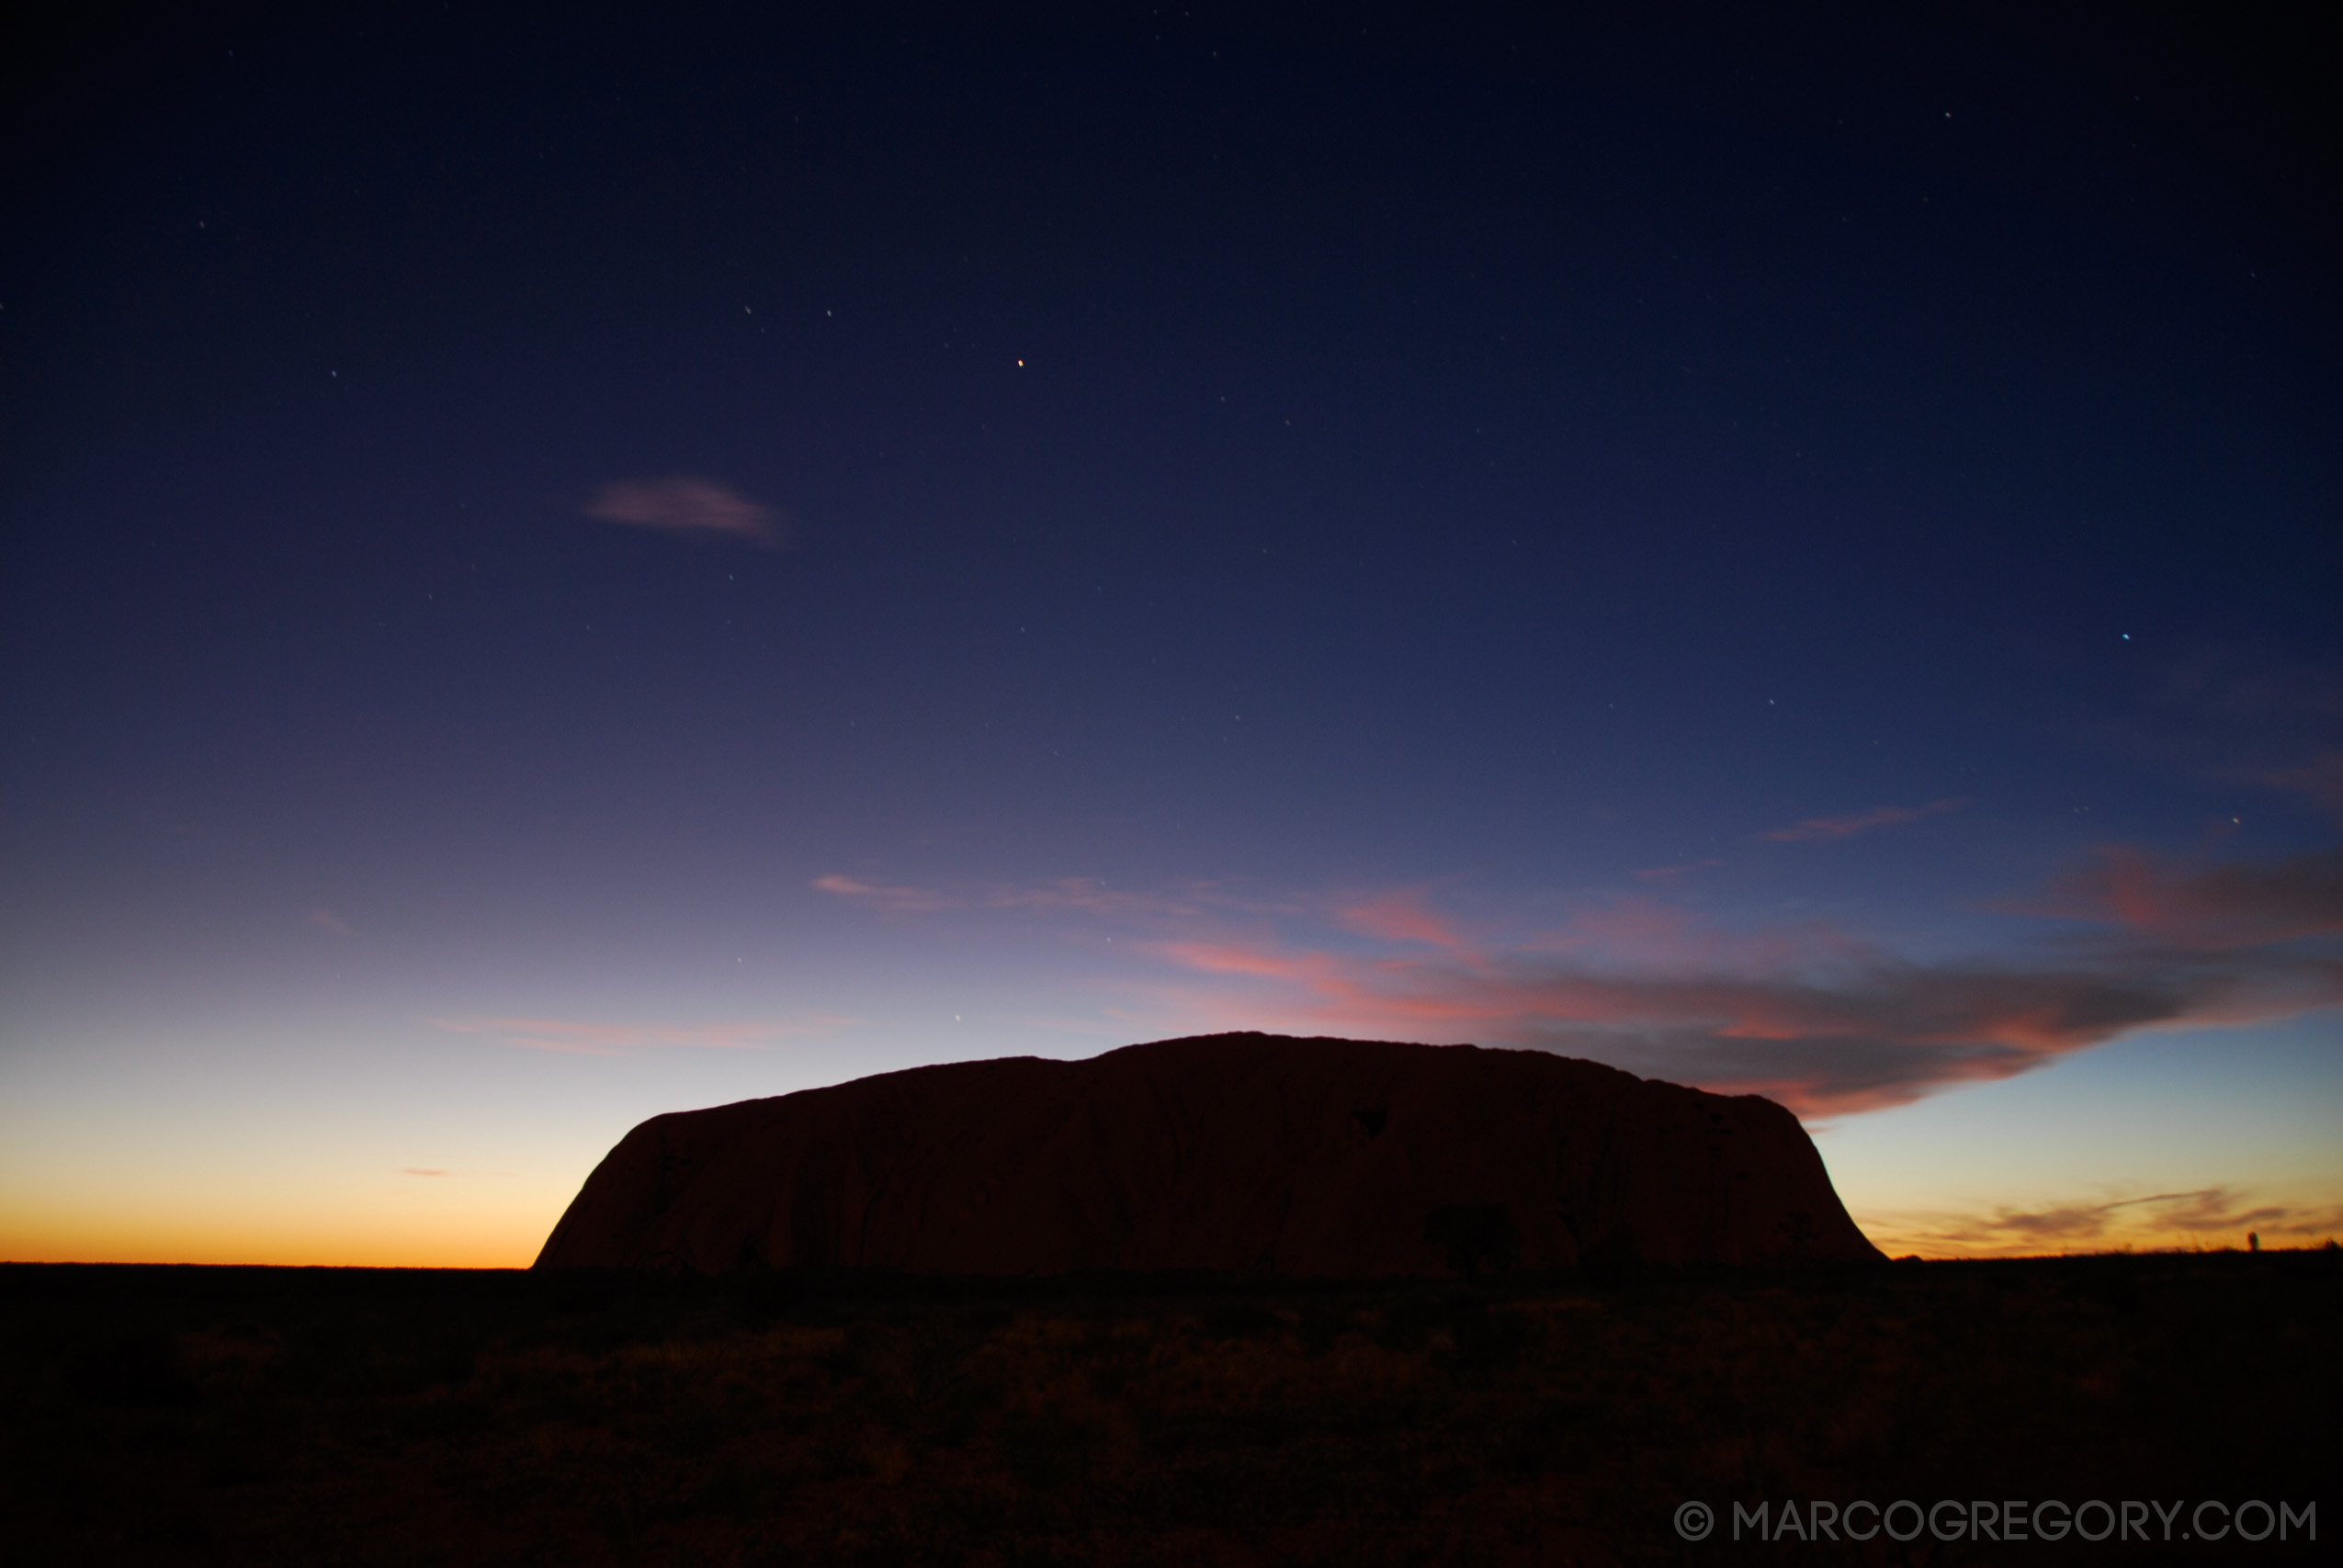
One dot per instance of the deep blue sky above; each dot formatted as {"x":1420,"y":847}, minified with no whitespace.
{"x":1397,"y":516}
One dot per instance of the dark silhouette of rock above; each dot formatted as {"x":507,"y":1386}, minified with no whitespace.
{"x":1240,"y":1153}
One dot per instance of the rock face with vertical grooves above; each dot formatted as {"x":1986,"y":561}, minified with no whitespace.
{"x":1239,"y":1153}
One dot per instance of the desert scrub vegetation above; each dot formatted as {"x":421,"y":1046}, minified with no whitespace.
{"x":361,"y":1417}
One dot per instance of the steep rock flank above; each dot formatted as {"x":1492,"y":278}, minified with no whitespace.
{"x":1233,"y":1152}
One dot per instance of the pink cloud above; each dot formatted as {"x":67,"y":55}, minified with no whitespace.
{"x":1859,"y":823}
{"x":2242,"y":904}
{"x":1826,"y":1043}
{"x":1811,"y":1015}
{"x":1399,"y":916}
{"x":586,"y":1037}
{"x":1644,"y":931}
{"x":687,"y":506}
{"x":1636,"y":927}
{"x":1231,"y":958}
{"x":326,"y":920}
{"x":1806,"y":1014}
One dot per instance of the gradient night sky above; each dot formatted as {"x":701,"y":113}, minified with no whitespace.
{"x":557,"y":571}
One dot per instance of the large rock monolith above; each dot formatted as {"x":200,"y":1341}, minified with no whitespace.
{"x":1239,"y":1153}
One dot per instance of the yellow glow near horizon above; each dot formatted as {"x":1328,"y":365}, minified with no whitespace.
{"x":396,"y":1221}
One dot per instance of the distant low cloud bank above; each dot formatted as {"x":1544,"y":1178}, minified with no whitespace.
{"x":684,"y":504}
{"x":2214,"y":1216}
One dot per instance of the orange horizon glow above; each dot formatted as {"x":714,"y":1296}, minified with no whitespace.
{"x":510,"y":1237}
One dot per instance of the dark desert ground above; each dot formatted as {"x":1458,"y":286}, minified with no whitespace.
{"x":162,"y":1415}
{"x":864,"y":1323}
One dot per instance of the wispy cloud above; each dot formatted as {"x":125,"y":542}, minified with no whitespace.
{"x":2237,"y":717}
{"x":1089,"y":895}
{"x":2209,"y":1216}
{"x":1846,"y":827}
{"x":687,"y":505}
{"x":326,"y":920}
{"x":2237,"y":685}
{"x":879,"y":895}
{"x":1667,"y":875}
{"x":587,"y":1038}
{"x":1072,"y":895}
{"x":2321,"y":778}
{"x":419,"y":1171}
